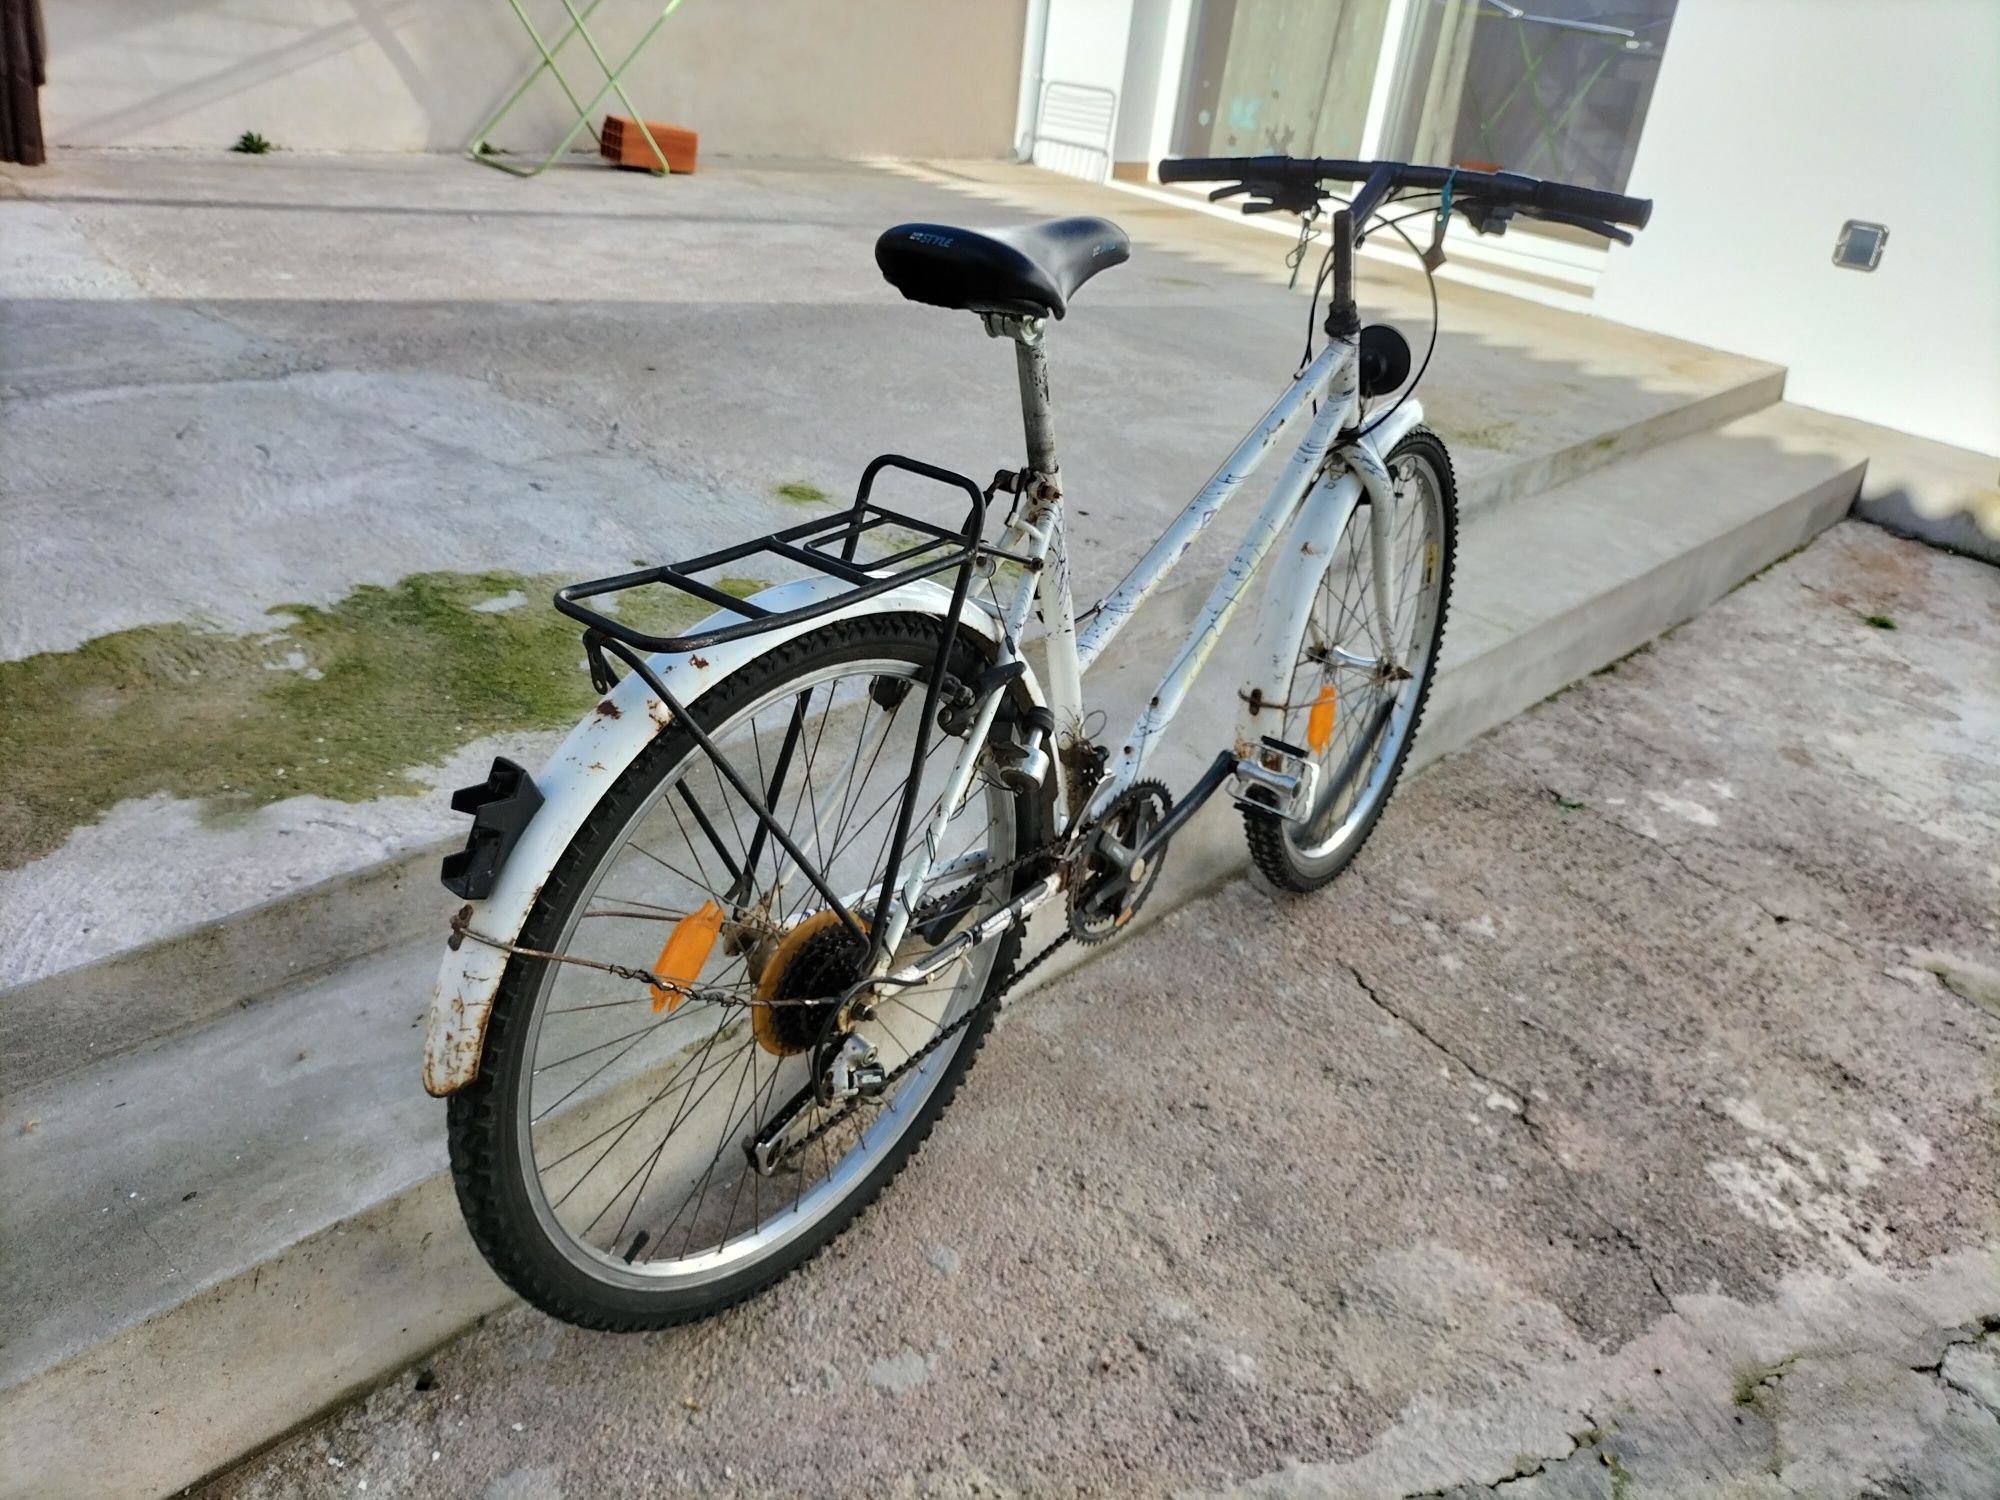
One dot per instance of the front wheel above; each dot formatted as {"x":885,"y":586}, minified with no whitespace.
{"x":1356,"y":721}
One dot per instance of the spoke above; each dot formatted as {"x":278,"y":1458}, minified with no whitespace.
{"x":883,"y":1021}
{"x":668,"y":1181}
{"x":561,"y":1062}
{"x":700,"y":817}
{"x":700,"y":885}
{"x":868,"y":707}
{"x":651,"y":914}
{"x":634,"y":1118}
{"x":688,"y":1106}
{"x":806,"y":789}
{"x":636,"y":1038}
{"x":722,"y":1144}
{"x":750,"y":1175}
{"x":699,"y":998}
{"x":580,"y":1148}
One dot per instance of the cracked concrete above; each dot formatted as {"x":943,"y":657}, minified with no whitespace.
{"x":1572,"y":1146}
{"x":1517,"y":1103}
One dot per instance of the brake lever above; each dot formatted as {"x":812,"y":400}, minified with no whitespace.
{"x":1486,"y":218}
{"x":1270,"y":197}
{"x":1493,"y":219}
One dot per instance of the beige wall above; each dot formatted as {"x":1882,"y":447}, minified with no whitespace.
{"x":755,"y":77}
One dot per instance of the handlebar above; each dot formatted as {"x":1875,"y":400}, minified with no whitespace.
{"x":1505,"y":190}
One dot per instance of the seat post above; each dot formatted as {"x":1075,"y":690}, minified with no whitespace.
{"x":1031,"y":364}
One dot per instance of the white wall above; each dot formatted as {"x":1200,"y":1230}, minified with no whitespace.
{"x":755,"y":77}
{"x":1086,"y":42}
{"x":1154,"y":62}
{"x":1776,"y":120}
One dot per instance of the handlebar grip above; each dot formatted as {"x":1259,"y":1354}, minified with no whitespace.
{"x":1201,"y":168}
{"x":1283,"y":169}
{"x":1590,"y":203}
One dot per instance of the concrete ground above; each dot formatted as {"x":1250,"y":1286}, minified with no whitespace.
{"x":1623,"y":1124}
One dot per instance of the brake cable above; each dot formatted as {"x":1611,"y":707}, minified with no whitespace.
{"x":1430,"y":280}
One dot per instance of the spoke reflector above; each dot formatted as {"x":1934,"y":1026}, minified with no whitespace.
{"x":1319,"y":721}
{"x":686,"y":950}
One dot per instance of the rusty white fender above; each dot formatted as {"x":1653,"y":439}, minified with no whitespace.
{"x":1296,"y":570}
{"x":583,"y":768}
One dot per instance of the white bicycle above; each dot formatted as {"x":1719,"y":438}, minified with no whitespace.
{"x":726,"y":959}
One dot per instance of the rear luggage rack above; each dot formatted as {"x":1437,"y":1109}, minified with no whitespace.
{"x":830,"y":546}
{"x":826,"y":544}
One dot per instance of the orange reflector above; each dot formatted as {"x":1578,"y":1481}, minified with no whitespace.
{"x":1319,"y":722}
{"x":686,"y":951}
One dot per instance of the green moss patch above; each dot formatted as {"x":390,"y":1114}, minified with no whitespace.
{"x":338,"y":701}
{"x":799,"y":492}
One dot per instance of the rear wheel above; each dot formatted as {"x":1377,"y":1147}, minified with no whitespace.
{"x":603,"y":1155}
{"x":1354,"y":720}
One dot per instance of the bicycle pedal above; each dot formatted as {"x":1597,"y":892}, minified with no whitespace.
{"x":1279,"y":778}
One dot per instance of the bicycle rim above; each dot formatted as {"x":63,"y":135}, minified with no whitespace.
{"x":1355,"y":723}
{"x":680,"y":1208}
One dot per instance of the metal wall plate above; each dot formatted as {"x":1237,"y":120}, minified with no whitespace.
{"x":1860,"y":245}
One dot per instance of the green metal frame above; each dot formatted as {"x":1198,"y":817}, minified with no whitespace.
{"x":481,"y":149}
{"x":1618,"y":41}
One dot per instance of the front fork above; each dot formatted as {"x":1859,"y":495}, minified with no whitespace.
{"x":1370,"y":468}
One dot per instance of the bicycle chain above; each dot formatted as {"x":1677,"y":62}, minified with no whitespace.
{"x":916,"y":1058}
{"x":909,"y":1064}
{"x":461,"y":928}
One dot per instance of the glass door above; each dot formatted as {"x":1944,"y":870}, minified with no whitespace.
{"x":1558,"y":92}
{"x":1285,"y":77}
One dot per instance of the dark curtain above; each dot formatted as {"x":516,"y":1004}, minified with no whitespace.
{"x":21,"y":76}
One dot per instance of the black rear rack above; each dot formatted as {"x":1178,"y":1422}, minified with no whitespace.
{"x":829,"y":547}
{"x":828,"y":544}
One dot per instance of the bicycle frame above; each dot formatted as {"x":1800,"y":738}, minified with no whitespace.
{"x":1332,"y":465}
{"x":1329,"y":471}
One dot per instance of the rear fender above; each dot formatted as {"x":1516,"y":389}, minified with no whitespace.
{"x":584,"y":767}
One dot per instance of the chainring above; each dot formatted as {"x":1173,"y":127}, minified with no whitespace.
{"x":1104,"y":893}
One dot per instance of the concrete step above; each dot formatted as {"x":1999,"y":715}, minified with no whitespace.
{"x":217,"y":1237}
{"x":1528,"y":397}
{"x":88,"y":1013}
